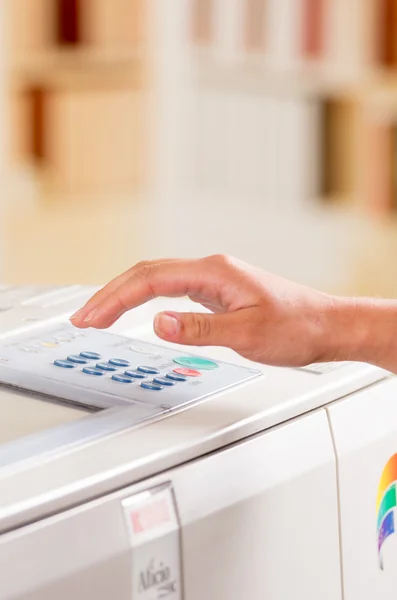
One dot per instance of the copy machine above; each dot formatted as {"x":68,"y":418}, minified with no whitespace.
{"x":131,"y":469}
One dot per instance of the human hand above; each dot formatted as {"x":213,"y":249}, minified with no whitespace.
{"x":261,"y":316}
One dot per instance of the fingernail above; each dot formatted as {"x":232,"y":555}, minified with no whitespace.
{"x":77,"y":314}
{"x":80,"y":315}
{"x":166,"y":325}
{"x":90,"y":316}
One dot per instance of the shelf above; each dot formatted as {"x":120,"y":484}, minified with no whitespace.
{"x":258,"y":73}
{"x":87,"y":68}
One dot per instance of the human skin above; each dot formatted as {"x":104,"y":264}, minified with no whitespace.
{"x":263,"y":317}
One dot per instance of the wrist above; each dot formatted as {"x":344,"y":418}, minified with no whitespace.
{"x":362,"y":330}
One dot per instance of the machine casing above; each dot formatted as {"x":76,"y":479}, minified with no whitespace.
{"x":269,"y":488}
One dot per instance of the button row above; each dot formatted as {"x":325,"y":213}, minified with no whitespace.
{"x":73,"y":361}
{"x":130,"y":375}
{"x":191,"y":363}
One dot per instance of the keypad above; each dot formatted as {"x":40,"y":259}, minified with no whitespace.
{"x":112,"y":368}
{"x":103,"y":369}
{"x":139,"y":375}
{"x":147,"y":377}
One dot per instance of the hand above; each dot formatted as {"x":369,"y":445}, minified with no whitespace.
{"x":262,"y":317}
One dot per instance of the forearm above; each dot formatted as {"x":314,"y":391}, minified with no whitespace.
{"x":363,"y":330}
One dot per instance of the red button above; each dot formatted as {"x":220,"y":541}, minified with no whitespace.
{"x":187,"y":372}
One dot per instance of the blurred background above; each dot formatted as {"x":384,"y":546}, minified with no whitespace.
{"x":133,"y":129}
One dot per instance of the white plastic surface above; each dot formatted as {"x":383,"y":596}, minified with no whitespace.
{"x":258,"y":520}
{"x":364,"y":427}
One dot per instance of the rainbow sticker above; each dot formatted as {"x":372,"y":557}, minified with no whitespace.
{"x":386,"y":505}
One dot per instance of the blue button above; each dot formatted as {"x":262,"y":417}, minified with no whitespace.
{"x":122,"y":378}
{"x":106,"y":367}
{"x":119,"y":362}
{"x":149,"y":370}
{"x":193,"y":362}
{"x":79,"y":360}
{"x":90,"y":355}
{"x":65,"y":364}
{"x":175,"y":377}
{"x":135,"y":374}
{"x":93,"y":371}
{"x":163,"y":381}
{"x":151,"y":386}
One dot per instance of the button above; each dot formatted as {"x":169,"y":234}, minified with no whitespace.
{"x":106,"y":367}
{"x":151,"y":386}
{"x":119,"y":362}
{"x":49,"y":344}
{"x":163,"y":381}
{"x":187,"y":372}
{"x":79,"y":360}
{"x":122,"y":378}
{"x":134,"y":374}
{"x":175,"y":377}
{"x":144,"y":350}
{"x":65,"y":364}
{"x":93,"y":371}
{"x":90,"y":355}
{"x":149,"y":370}
{"x":196,"y":363}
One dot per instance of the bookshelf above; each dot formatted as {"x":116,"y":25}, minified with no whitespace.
{"x":78,"y":69}
{"x":274,"y":116}
{"x":284,"y":99}
{"x":78,"y":90}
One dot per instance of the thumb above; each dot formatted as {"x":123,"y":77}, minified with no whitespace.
{"x":197,"y":329}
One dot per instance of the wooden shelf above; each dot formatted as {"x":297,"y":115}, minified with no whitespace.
{"x":71,"y":69}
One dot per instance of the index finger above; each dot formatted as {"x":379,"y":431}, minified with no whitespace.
{"x":111,"y":287}
{"x":171,"y":278}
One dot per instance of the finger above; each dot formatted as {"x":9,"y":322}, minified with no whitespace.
{"x":199,"y":329}
{"x":111,"y":288}
{"x":172,"y":279}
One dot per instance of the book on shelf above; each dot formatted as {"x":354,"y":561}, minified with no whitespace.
{"x":202,"y":21}
{"x":387,"y":33}
{"x":338,"y":138}
{"x":313,"y":26}
{"x":254,"y":25}
{"x":381,"y":167}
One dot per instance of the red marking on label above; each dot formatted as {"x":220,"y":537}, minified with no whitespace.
{"x":150,"y":516}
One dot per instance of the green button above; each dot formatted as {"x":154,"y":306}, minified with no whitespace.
{"x":196,"y":363}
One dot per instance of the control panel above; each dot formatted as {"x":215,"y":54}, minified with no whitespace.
{"x":104,"y":370}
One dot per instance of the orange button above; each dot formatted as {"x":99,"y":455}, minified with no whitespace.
{"x":187,"y":372}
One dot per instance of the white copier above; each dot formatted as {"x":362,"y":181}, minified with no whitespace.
{"x":131,"y":469}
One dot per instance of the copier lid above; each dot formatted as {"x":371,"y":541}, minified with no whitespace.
{"x":24,"y":414}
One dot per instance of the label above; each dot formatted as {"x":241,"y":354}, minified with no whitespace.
{"x":154,"y":533}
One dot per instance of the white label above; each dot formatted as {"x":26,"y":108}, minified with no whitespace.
{"x":153,"y":528}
